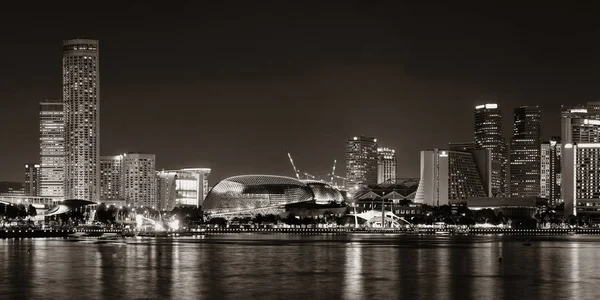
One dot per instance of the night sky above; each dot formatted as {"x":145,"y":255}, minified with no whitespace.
{"x":231,"y":86}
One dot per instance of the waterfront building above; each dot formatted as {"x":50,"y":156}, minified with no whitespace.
{"x":81,"y":97}
{"x":139,"y":179}
{"x":525,"y":152}
{"x":550,"y":171}
{"x":580,"y":187}
{"x":111,"y":178}
{"x":184,"y":187}
{"x":52,"y":148}
{"x":361,"y":161}
{"x":32,"y":179}
{"x":488,"y":135}
{"x":386,"y":165}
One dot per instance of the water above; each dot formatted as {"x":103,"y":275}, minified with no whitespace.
{"x":302,"y":267}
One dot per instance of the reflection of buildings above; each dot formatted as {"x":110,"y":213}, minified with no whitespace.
{"x":386,"y":165}
{"x":81,"y":96}
{"x":182,"y":187}
{"x":361,"y":161}
{"x":52,"y":148}
{"x":488,"y":135}
{"x":32,"y":179}
{"x":550,"y":174}
{"x":525,"y":152}
{"x":139,"y":179}
{"x":451,"y":176}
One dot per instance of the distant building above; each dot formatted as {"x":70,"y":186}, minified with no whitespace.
{"x":81,"y":96}
{"x":52,"y":148}
{"x":451,"y":177}
{"x":111,"y":178}
{"x":525,"y":152}
{"x":550,"y":172}
{"x":488,"y":135}
{"x":580,"y":187}
{"x":8,"y":188}
{"x":184,"y":187}
{"x":139,"y":179}
{"x":386,"y":165}
{"x":32,"y":179}
{"x":361,"y":161}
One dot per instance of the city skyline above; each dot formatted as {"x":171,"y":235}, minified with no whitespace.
{"x":370,"y":72}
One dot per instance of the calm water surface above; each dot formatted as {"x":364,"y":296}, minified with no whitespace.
{"x":302,"y":267}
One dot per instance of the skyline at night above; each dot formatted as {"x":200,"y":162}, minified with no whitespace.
{"x":232,"y":88}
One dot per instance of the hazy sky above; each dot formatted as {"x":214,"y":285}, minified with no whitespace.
{"x":230,"y":86}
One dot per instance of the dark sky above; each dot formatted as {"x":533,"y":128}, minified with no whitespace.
{"x":230,"y":86}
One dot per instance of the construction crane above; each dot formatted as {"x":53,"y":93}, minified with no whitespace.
{"x":339,"y":177}
{"x":309,"y":176}
{"x":333,"y":171}
{"x":296,"y":171}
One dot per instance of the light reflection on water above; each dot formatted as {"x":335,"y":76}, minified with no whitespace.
{"x":301,"y":267}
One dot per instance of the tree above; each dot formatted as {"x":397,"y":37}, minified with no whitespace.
{"x":101,"y":213}
{"x":31,"y":211}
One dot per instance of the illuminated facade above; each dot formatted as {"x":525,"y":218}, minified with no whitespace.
{"x":32,"y":179}
{"x":185,"y":187}
{"x":264,"y":194}
{"x":525,"y":152}
{"x":81,"y":97}
{"x":488,"y":135}
{"x":581,"y":178}
{"x":139,"y":179}
{"x":52,"y":148}
{"x":111,"y":177}
{"x":550,"y":173}
{"x":361,"y":161}
{"x":386,"y":165}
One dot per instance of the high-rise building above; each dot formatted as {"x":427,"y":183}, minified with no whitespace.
{"x":361,"y":161}
{"x":525,"y":152}
{"x":139,"y":179}
{"x":32,"y":179}
{"x":550,"y":172}
{"x":451,"y":177}
{"x":185,"y":187}
{"x":81,"y":97}
{"x":111,"y":177}
{"x":580,"y":185}
{"x":52,"y":148}
{"x":488,"y":135}
{"x":386,"y":165}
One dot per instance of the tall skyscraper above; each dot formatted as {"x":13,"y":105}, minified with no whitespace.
{"x":111,"y":177}
{"x":550,"y":172}
{"x":488,"y":135}
{"x":361,"y":161}
{"x":386,"y":165}
{"x":81,"y":97}
{"x":525,"y":152}
{"x":32,"y":179}
{"x":580,"y":187}
{"x":139,"y":179}
{"x":52,"y":148}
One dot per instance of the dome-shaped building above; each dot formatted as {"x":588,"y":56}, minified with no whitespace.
{"x":265,"y":194}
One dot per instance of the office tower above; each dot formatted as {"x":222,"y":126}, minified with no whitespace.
{"x":52,"y":148}
{"x":386,"y":165}
{"x":361,"y":161}
{"x":184,"y":187}
{"x":488,"y":135}
{"x":111,"y":177}
{"x":139,"y":179}
{"x":32,"y":179}
{"x":81,"y":97}
{"x":451,"y":177}
{"x":525,"y":152}
{"x":580,"y":187}
{"x":550,"y":173}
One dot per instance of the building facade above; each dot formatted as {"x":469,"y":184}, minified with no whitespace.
{"x":185,"y":187}
{"x":52,"y":148}
{"x":488,"y":135}
{"x":111,"y":178}
{"x":81,"y":97}
{"x":32,"y":179}
{"x":386,"y":165}
{"x":525,"y":152}
{"x":361,"y":161}
{"x":139,"y":179}
{"x":580,"y":185}
{"x":550,"y":172}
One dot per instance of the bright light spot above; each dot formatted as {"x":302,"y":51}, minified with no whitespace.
{"x":159,"y":227}
{"x":174,"y":224}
